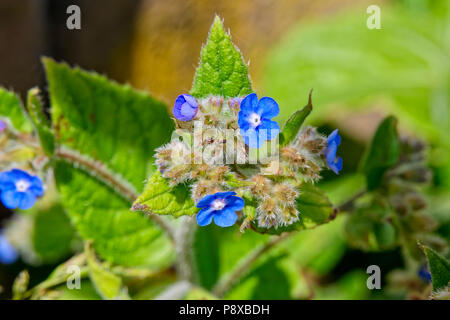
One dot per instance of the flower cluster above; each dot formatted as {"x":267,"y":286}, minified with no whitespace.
{"x":211,"y":150}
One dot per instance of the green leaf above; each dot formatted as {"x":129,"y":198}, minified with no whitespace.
{"x":115,"y":129}
{"x":52,"y":235}
{"x":439,"y":268}
{"x":107,"y":284}
{"x":222,"y":71}
{"x":159,"y":197}
{"x":294,"y":123}
{"x":41,"y":122}
{"x":11,"y":107}
{"x":383,"y":152}
{"x":314,"y":209}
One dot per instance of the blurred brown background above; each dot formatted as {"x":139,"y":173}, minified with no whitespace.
{"x":152,"y":44}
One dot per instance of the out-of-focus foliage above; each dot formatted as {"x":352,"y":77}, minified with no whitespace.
{"x":403,"y":69}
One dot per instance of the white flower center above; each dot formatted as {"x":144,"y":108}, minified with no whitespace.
{"x":22,"y":185}
{"x":254,"y":119}
{"x":218,"y":204}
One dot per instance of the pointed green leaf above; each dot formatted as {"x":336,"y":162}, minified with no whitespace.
{"x":383,"y":152}
{"x":11,"y":108}
{"x":222,"y":71}
{"x":439,"y":268}
{"x":314,"y":209}
{"x":41,"y":122}
{"x":294,"y":123}
{"x":115,"y":129}
{"x":159,"y":197}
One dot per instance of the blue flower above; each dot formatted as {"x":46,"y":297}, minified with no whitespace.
{"x":185,"y":107}
{"x":8,"y":254}
{"x":19,"y":189}
{"x":424,"y":274}
{"x":3,"y":125}
{"x":334,"y":162}
{"x":221,"y":206}
{"x":254,"y":120}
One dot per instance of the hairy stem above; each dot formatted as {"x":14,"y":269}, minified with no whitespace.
{"x":183,"y":246}
{"x":121,"y":186}
{"x":224,"y":285}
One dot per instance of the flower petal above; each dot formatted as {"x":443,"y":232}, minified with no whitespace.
{"x":249,"y":104}
{"x":268,"y":129}
{"x":27,"y":200}
{"x":10,"y":198}
{"x":251,"y":138}
{"x":36,"y":187}
{"x":225,"y":218}
{"x":185,"y":107}
{"x":235,"y":203}
{"x":268,"y":108}
{"x":206,"y":201}
{"x":331,"y":153}
{"x":205,"y":216}
{"x":334,"y":137}
{"x":8,"y":254}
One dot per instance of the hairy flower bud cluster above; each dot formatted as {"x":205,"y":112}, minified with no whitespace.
{"x":405,"y":179}
{"x":304,"y":158}
{"x":276,"y":202}
{"x":213,"y":147}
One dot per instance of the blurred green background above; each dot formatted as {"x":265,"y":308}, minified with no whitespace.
{"x":358,"y":76}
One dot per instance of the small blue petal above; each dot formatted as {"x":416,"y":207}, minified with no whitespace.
{"x":11,"y":199}
{"x":251,"y":138}
{"x":37,"y":187}
{"x":334,"y":137}
{"x":206,"y":201}
{"x":3,"y":125}
{"x":268,"y":108}
{"x":249,"y":104}
{"x":334,"y":163}
{"x":185,"y":107}
{"x":236,"y":203}
{"x":331,"y":152}
{"x":270,"y":129}
{"x":27,"y":200}
{"x":226,"y":218}
{"x":8,"y":254}
{"x":204,"y":217}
